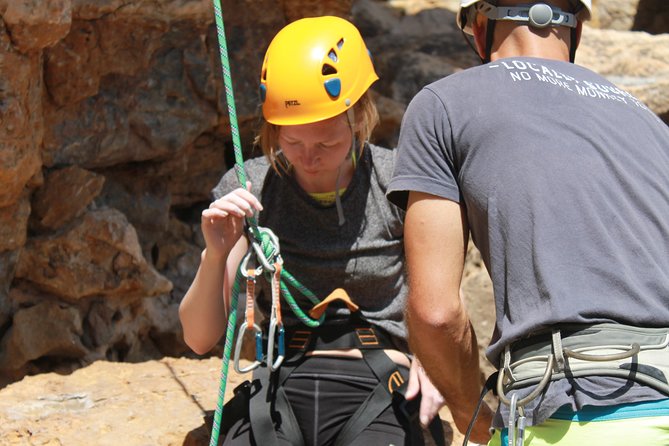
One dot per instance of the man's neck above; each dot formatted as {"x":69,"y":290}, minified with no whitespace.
{"x":512,"y":40}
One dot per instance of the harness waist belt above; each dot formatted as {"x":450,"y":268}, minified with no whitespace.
{"x":338,"y":337}
{"x":634,"y":353}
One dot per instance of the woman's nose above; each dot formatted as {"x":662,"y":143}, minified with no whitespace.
{"x":309,"y":157}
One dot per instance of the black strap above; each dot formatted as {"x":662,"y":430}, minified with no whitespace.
{"x":487,"y":387}
{"x":572,"y":45}
{"x":489,"y":35}
{"x":289,"y":425}
{"x":377,"y":401}
{"x":237,"y":408}
{"x":270,"y":404}
{"x":390,"y":390}
{"x":260,"y":409}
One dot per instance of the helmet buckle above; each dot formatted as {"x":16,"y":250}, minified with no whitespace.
{"x":540,"y":15}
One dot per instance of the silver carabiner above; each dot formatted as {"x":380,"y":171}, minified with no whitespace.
{"x":238,"y":348}
{"x":261,"y":255}
{"x":516,"y":425}
{"x":271,"y":363}
{"x":511,"y":427}
{"x":244,"y":265}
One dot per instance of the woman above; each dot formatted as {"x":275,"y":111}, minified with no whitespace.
{"x":321,"y":189}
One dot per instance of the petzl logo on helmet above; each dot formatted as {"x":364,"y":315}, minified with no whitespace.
{"x":292,"y":103}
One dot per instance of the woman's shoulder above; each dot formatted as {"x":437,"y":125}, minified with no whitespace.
{"x":257,"y":167}
{"x":255,"y":170}
{"x":382,"y":161}
{"x":380,"y":151}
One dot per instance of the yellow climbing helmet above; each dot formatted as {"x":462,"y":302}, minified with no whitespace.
{"x":315,"y":68}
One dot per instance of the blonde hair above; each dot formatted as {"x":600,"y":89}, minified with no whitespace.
{"x":366,"y":118}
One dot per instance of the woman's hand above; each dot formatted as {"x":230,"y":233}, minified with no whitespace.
{"x":223,"y":221}
{"x":431,"y":400}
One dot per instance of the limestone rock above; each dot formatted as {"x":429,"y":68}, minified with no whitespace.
{"x":170,"y":402}
{"x":611,"y":53}
{"x":614,"y":14}
{"x":374,"y":18}
{"x":415,"y":6}
{"x":652,"y":16}
{"x":98,"y":256}
{"x":297,"y":9}
{"x":8,"y":260}
{"x":195,"y":171}
{"x":14,"y":224}
{"x":167,"y":11}
{"x":37,"y":24}
{"x":21,"y":128}
{"x":65,"y":195}
{"x":46,"y":329}
{"x":132,"y":117}
{"x":152,"y":403}
{"x":143,"y":198}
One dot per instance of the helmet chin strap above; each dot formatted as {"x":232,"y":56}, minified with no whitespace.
{"x":489,"y":35}
{"x":350,"y":117}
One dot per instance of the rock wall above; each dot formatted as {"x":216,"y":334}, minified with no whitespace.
{"x":114,"y":128}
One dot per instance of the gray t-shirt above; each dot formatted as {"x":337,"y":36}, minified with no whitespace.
{"x":565,"y":180}
{"x":364,"y":256}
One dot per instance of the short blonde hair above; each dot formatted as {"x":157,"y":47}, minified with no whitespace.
{"x":366,"y":119}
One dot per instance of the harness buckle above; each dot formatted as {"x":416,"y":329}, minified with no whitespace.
{"x":299,"y":340}
{"x":367,"y":336}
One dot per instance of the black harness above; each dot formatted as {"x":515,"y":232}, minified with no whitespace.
{"x":264,"y":400}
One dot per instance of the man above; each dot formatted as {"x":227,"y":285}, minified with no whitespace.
{"x":563,"y":181}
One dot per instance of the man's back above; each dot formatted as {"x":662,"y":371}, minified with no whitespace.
{"x":565,"y":179}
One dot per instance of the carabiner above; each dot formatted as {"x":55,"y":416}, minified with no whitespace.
{"x":244,"y":265}
{"x":271,"y":363}
{"x":260,"y":255}
{"x":517,"y":422}
{"x":238,"y":348}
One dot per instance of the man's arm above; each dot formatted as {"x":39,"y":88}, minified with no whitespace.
{"x":440,"y":333}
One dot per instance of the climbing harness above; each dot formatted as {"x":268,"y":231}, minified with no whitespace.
{"x":572,"y":351}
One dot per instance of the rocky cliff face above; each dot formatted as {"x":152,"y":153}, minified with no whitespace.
{"x":115,"y":128}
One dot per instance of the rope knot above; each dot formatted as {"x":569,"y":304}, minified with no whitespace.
{"x":266,"y":246}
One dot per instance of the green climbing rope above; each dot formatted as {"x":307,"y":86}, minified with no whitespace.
{"x":260,"y":236}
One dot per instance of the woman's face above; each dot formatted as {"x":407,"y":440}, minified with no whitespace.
{"x":316,"y":151}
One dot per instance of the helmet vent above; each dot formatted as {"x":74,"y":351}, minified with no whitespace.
{"x":332,"y":55}
{"x":328,"y":69}
{"x":264,"y":75}
{"x":340,"y":43}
